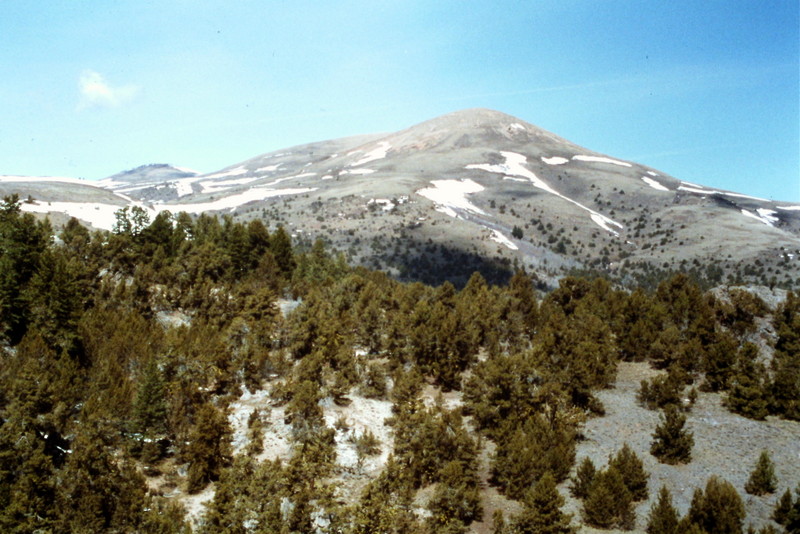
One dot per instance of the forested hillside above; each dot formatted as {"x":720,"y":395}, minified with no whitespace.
{"x":129,"y":356}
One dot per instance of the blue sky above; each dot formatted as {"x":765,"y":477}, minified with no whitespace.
{"x":705,"y":91}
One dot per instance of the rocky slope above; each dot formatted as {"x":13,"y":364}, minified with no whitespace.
{"x":472,"y":190}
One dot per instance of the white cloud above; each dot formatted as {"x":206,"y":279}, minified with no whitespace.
{"x":96,"y":92}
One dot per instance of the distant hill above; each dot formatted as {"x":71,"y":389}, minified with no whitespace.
{"x":471,"y":190}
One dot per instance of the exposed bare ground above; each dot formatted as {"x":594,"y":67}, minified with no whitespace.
{"x":726,"y":445}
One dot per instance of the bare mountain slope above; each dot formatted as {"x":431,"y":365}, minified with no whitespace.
{"x":481,"y":190}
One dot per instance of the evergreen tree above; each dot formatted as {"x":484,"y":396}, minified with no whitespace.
{"x":609,"y":503}
{"x":541,"y":513}
{"x":663,"y":518}
{"x":209,"y":448}
{"x":631,"y":468}
{"x":672,"y":444}
{"x":762,"y":480}
{"x":456,"y":501}
{"x":584,"y":477}
{"x":718,"y":509}
{"x":150,"y":408}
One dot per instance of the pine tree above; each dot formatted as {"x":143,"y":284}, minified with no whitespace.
{"x":783,"y":508}
{"x":672,"y":444}
{"x":209,"y":447}
{"x":631,"y":468}
{"x":584,"y":476}
{"x":541,"y":513}
{"x":762,"y":480}
{"x":718,"y":509}
{"x":663,"y":518}
{"x":609,"y":503}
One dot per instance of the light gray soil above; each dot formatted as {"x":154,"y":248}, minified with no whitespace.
{"x":726,"y":445}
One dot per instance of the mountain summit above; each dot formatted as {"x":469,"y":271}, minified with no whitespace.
{"x":471,"y":190}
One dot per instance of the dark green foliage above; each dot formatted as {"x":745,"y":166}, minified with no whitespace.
{"x":209,"y":448}
{"x":663,"y":518}
{"x":749,"y":394}
{"x":785,"y":386}
{"x":663,"y":390}
{"x":672,"y":443}
{"x":718,"y":509}
{"x":762,"y":479}
{"x":531,"y":450}
{"x":584,"y":477}
{"x":541,"y":512}
{"x":149,"y":407}
{"x":456,"y":501}
{"x":787,"y":511}
{"x":609,"y":503}
{"x":631,"y":468}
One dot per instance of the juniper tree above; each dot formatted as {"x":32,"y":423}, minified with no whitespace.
{"x":672,"y":443}
{"x":762,"y":480}
{"x":209,"y":447}
{"x":582,"y":481}
{"x":631,"y":468}
{"x":541,"y":512}
{"x":609,"y":503}
{"x":718,"y":509}
{"x":663,"y":518}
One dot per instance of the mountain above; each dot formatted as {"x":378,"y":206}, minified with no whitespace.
{"x":472,"y":190}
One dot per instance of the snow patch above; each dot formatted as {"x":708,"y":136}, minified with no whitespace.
{"x":788,"y":208}
{"x":269,"y":168}
{"x":97,"y":214}
{"x":327,"y":177}
{"x":516,"y":126}
{"x":693,"y":188}
{"x":233,"y":172}
{"x":234,"y":201}
{"x":601,"y":159}
{"x":651,"y":173}
{"x":555,"y":160}
{"x":449,"y":195}
{"x":503,"y":240}
{"x":378,"y":152}
{"x":654,"y":184}
{"x":385,"y":203}
{"x":356,"y":171}
{"x":215,"y":187}
{"x":762,"y":215}
{"x":514,"y":167}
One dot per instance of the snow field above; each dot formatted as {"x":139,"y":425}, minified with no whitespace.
{"x":449,"y":195}
{"x":555,"y":160}
{"x":97,"y":214}
{"x":600,"y":159}
{"x":654,"y":184}
{"x":503,"y":240}
{"x":376,"y":153}
{"x":234,"y":201}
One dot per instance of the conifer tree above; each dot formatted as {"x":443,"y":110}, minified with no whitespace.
{"x":209,"y":447}
{"x":541,"y":513}
{"x":584,"y":477}
{"x":609,"y":503}
{"x":663,"y":518}
{"x":631,"y":468}
{"x":718,"y":509}
{"x":672,"y":443}
{"x":762,"y":479}
{"x":783,"y":508}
